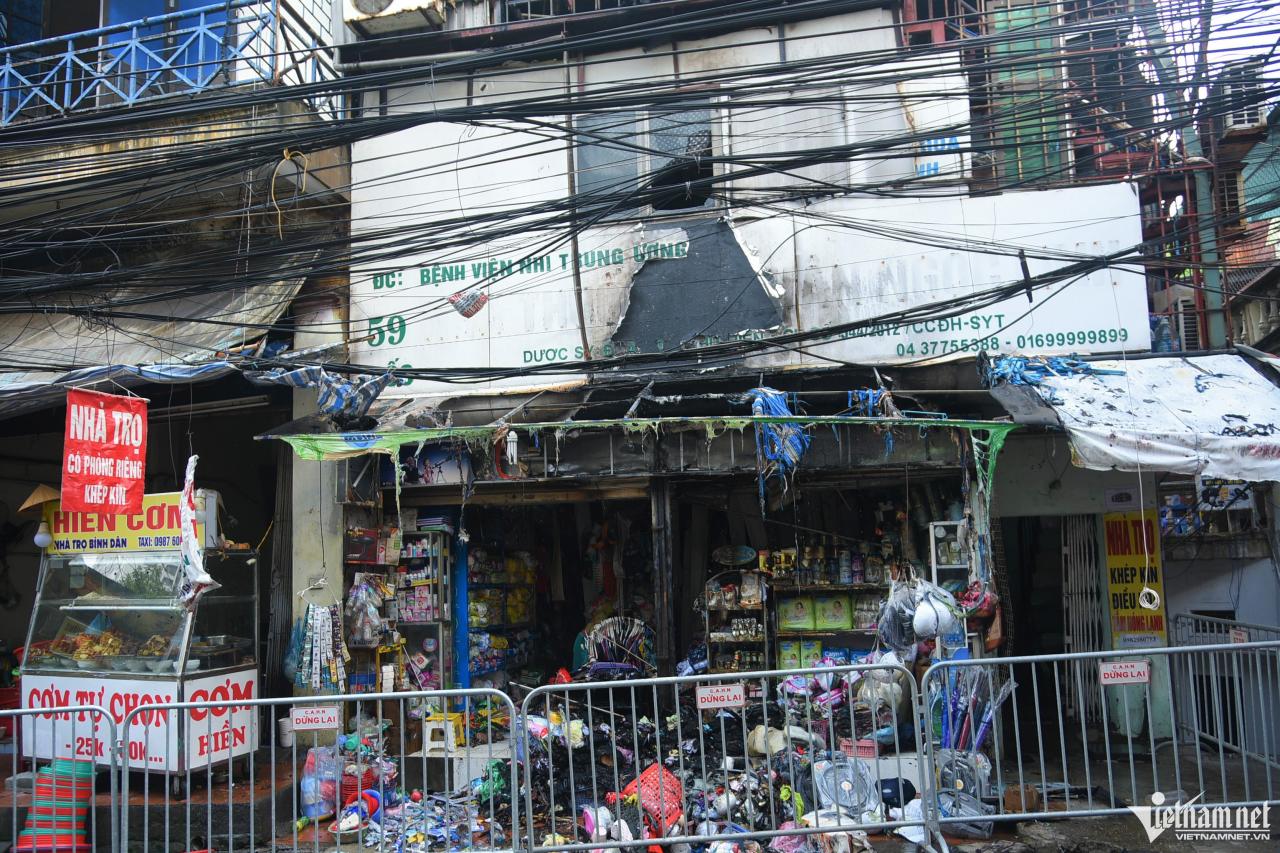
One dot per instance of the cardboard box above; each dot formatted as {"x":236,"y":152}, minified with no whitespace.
{"x":796,"y":614}
{"x":832,"y":613}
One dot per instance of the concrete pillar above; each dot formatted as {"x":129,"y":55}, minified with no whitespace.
{"x":317,"y":520}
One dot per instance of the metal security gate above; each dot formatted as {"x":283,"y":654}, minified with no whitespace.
{"x":1083,"y":607}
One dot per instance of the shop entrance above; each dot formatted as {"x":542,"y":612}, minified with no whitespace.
{"x":553,"y":586}
{"x":1034,"y":568}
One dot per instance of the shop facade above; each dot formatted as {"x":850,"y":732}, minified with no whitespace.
{"x":512,"y":539}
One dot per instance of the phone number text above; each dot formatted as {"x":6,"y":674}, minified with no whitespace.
{"x":1019,"y":343}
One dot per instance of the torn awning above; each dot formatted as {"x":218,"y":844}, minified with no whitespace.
{"x":1213,"y":415}
{"x":188,"y":345}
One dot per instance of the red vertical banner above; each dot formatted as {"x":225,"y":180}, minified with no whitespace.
{"x":104,"y":453}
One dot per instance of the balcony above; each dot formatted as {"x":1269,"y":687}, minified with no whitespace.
{"x":222,"y":45}
{"x":528,"y":10}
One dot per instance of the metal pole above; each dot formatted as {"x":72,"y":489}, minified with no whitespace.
{"x":572,"y":180}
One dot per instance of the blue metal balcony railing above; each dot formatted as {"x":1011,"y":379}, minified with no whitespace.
{"x":241,"y":42}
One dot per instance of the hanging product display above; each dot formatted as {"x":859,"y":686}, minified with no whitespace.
{"x":365,"y":624}
{"x":322,"y":664}
{"x":620,"y":647}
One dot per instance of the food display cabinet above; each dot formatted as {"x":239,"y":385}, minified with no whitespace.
{"x":110,"y":630}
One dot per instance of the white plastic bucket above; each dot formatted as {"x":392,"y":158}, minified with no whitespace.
{"x":284,"y":732}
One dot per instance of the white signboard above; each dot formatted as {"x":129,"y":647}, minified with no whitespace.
{"x":1239,"y":635}
{"x":212,"y":734}
{"x":218,"y":733}
{"x":1124,"y":672}
{"x":151,"y":741}
{"x":799,"y":274}
{"x":316,"y":718}
{"x":714,"y":696}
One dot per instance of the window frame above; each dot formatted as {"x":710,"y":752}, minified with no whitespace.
{"x":646,"y":157}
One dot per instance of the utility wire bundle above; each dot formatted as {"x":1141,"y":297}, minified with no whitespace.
{"x":147,"y":176}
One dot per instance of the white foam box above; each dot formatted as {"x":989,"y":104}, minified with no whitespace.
{"x":905,"y":766}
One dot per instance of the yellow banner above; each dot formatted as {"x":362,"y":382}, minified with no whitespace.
{"x":1133,"y":565}
{"x":156,"y":528}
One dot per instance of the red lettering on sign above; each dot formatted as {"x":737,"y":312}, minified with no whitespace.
{"x":227,"y":691}
{"x":104,"y":456}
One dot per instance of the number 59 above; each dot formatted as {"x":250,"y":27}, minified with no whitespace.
{"x":386,"y":331}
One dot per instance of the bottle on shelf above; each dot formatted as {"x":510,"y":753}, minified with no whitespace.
{"x":844,"y":559}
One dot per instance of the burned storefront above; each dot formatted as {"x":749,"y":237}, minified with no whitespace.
{"x":654,"y":509}
{"x":584,"y":538}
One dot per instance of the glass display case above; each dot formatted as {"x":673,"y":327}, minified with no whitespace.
{"x":949,"y":556}
{"x":110,"y":630}
{"x":119,"y":613}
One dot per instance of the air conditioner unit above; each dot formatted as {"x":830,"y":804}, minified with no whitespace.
{"x":374,"y":17}
{"x":1178,"y":303}
{"x":1242,"y":95}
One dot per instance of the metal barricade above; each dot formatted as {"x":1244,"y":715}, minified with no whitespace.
{"x":226,"y":775}
{"x":71,"y":802}
{"x":1043,"y":761}
{"x":1242,"y":729}
{"x":770,"y":757}
{"x":1192,"y":629}
{"x":767,"y":756}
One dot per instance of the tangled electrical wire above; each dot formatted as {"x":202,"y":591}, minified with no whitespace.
{"x":107,"y":196}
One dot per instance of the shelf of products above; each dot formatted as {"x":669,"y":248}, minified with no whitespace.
{"x":779,"y":589}
{"x":736,"y":616}
{"x":399,"y":603}
{"x":500,"y":610}
{"x":827,"y":588}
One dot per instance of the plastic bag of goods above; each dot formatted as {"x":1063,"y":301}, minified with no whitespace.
{"x":894,"y":625}
{"x":319,"y":783}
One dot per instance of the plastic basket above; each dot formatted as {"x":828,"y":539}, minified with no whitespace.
{"x":72,"y":767}
{"x":64,"y":824}
{"x":60,"y":842}
{"x":661,"y":796}
{"x":47,"y":812}
{"x":78,"y":832}
{"x":351,"y":787}
{"x":865,"y":749}
{"x":63,"y":789}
